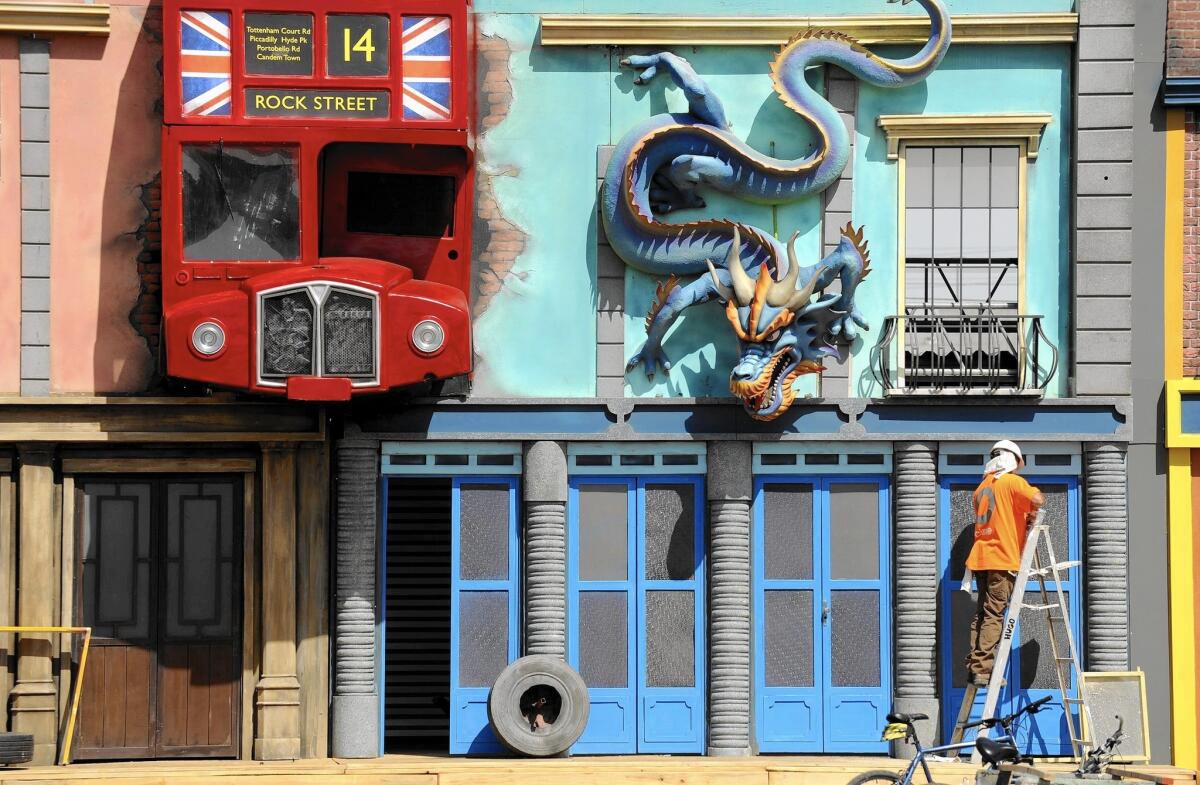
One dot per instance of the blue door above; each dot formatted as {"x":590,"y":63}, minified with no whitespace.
{"x":635,"y":584}
{"x":1031,"y":672}
{"x":484,"y":636}
{"x":822,"y":613}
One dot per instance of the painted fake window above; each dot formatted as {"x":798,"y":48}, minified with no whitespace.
{"x":962,"y":275}
{"x":240,"y":203}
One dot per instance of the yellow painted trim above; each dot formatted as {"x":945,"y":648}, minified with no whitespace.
{"x":979,"y":128}
{"x":1175,"y":390}
{"x":89,"y":19}
{"x":1173,"y":246}
{"x":1183,"y":609}
{"x":639,"y":29}
{"x":69,"y":733}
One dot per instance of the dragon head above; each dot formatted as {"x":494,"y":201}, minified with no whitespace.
{"x":777,"y":346}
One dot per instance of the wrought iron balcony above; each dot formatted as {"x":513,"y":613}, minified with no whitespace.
{"x":974,"y":350}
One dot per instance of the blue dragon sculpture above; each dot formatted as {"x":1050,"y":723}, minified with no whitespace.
{"x":662,"y":165}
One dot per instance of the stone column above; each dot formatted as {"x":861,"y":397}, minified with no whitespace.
{"x":34,"y":698}
{"x":730,"y":484}
{"x":1106,"y":558}
{"x":545,"y":483}
{"x":917,"y":569}
{"x":355,"y":692}
{"x":277,"y":695}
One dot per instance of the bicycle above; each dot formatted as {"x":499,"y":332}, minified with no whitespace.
{"x":1097,"y":760}
{"x":993,"y":751}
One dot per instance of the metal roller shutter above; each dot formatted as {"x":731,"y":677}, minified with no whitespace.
{"x":417,"y":612}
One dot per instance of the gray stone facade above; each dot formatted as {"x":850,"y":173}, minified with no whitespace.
{"x":730,"y":490}
{"x":1103,"y":192}
{"x":916,"y":585}
{"x":545,"y":545}
{"x":355,"y":692}
{"x":35,"y":216}
{"x":1106,"y":558}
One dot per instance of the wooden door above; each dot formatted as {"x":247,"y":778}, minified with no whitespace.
{"x":158,"y":583}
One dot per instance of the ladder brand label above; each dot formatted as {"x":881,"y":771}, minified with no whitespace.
{"x":279,"y":44}
{"x":270,"y":102}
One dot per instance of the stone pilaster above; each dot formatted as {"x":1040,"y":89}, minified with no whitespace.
{"x":545,"y":541}
{"x":355,"y":694}
{"x":917,"y":568}
{"x":277,"y":695}
{"x":729,"y":485}
{"x":34,"y":698}
{"x":1106,"y":558}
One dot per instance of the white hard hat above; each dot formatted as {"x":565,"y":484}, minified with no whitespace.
{"x":1009,"y":446}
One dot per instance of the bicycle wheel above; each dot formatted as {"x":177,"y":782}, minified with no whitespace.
{"x":875,"y":777}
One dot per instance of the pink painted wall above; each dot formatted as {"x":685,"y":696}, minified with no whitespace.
{"x":10,"y":217}
{"x":104,"y":144}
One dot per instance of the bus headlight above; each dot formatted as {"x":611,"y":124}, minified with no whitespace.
{"x":208,"y":338}
{"x":428,"y":336}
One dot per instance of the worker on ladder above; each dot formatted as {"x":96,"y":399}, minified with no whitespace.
{"x":1006,"y":506}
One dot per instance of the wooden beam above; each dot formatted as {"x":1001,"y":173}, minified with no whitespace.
{"x":645,"y":29}
{"x":88,"y":19}
{"x":158,"y":465}
{"x":160,"y":420}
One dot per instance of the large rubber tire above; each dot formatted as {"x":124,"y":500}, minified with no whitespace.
{"x":556,"y":680}
{"x":875,"y":777}
{"x":16,"y":748}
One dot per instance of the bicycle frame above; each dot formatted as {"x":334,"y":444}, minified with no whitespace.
{"x":923,"y":752}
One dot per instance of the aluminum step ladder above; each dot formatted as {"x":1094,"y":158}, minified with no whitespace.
{"x":1054,"y":604}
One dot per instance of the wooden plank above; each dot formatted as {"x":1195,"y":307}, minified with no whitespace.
{"x":8,"y":584}
{"x":1159,"y":776}
{"x":158,"y":465}
{"x":681,"y":774}
{"x":312,"y":624}
{"x":249,"y":626}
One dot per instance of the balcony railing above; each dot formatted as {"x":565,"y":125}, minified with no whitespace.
{"x":964,"y":351}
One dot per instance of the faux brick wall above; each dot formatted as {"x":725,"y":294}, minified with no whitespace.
{"x":1183,"y":38}
{"x":1191,"y":241}
{"x":498,"y":241}
{"x":146,"y":316}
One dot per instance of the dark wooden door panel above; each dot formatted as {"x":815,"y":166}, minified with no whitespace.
{"x":115,"y":717}
{"x":198,"y":706}
{"x":159,"y":581}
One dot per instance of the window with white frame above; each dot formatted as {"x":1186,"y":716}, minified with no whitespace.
{"x":962,"y":265}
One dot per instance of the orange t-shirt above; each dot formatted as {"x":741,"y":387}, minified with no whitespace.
{"x":1001,"y":506}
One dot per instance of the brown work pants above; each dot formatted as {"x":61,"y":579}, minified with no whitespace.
{"x":995,"y":588}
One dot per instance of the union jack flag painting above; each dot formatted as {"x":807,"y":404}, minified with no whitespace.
{"x":204,"y":63}
{"x":425,"y":67}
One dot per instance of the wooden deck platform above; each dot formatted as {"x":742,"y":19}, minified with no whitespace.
{"x":444,"y":770}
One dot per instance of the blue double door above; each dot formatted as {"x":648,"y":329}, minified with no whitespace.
{"x":1030,"y":674}
{"x":636,"y":594}
{"x":822,"y":612}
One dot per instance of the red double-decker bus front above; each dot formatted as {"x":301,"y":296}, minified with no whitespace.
{"x":317,"y":195}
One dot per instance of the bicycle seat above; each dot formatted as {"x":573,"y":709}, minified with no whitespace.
{"x":906,"y":718}
{"x":995,"y":752}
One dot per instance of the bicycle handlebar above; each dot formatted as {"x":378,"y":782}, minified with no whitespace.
{"x":991,"y":722}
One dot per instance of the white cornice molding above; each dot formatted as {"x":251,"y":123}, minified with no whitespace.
{"x":80,"y":18}
{"x":925,"y":127}
{"x":645,"y":29}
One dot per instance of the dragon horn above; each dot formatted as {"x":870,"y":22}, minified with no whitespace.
{"x":723,"y":291}
{"x":800,"y":299}
{"x":782,"y":291}
{"x":743,"y":287}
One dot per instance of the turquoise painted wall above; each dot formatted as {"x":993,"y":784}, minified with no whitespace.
{"x":538,"y":337}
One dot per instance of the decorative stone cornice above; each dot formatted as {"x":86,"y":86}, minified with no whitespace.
{"x":922,"y":127}
{"x":642,"y":29}
{"x":88,"y":19}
